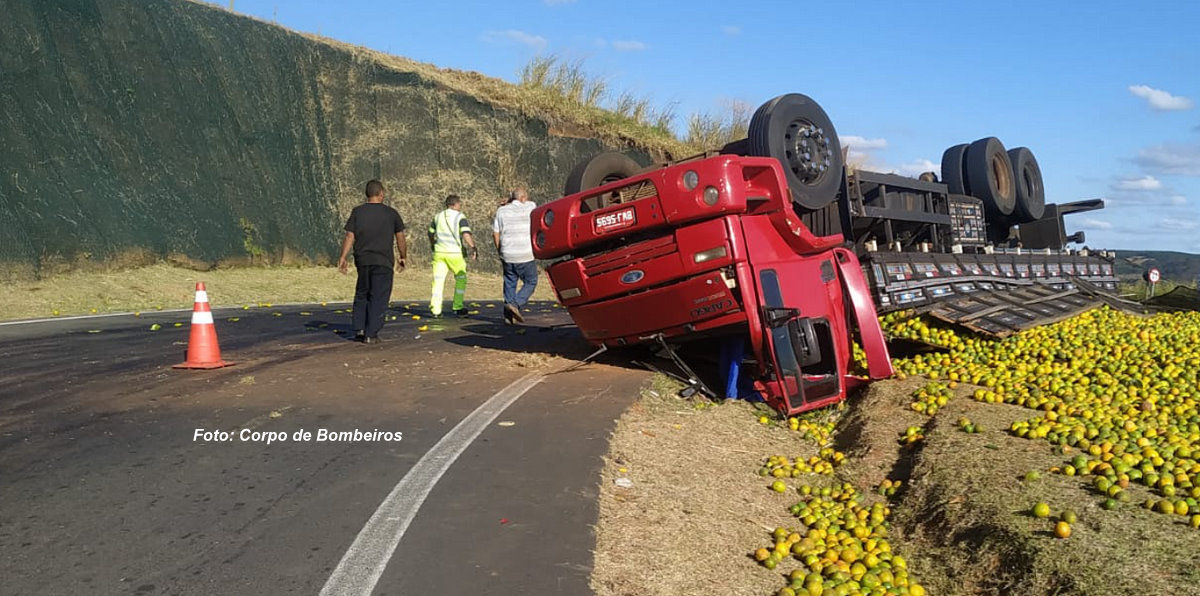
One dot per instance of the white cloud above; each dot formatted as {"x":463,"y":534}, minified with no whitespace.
{"x":1171,"y":158}
{"x":917,"y":167}
{"x":1143,"y":184}
{"x":1161,"y":100}
{"x":1177,"y":200}
{"x":731,"y":30}
{"x":628,"y":45}
{"x":862,"y":143}
{"x":859,"y":151}
{"x":862,"y":153}
{"x":1178,"y":224}
{"x":536,"y":42}
{"x":1089,"y":223}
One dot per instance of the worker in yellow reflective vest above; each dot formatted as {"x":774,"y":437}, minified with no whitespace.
{"x":451,"y":241}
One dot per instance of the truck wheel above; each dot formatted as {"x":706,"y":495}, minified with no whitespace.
{"x":952,"y":169}
{"x":990,"y":177}
{"x":600,"y":170}
{"x":795,"y":130}
{"x":1031,"y":193}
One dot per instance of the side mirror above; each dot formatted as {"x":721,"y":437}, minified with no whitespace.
{"x":804,"y":341}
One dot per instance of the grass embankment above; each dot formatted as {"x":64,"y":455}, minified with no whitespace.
{"x":558,"y":92}
{"x":1096,"y":417}
{"x":165,"y":287}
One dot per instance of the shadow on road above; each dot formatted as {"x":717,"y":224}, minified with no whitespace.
{"x":547,"y":330}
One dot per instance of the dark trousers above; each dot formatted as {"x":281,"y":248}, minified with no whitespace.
{"x":371,"y":296}
{"x":527,"y":274}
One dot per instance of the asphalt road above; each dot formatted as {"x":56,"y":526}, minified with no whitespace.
{"x":104,"y":488}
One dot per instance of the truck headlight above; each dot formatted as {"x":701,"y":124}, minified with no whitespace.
{"x":691,"y":179}
{"x":548,"y":217}
{"x":540,"y":239}
{"x":569,"y":293}
{"x":711,"y":194}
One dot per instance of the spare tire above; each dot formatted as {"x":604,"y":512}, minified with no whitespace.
{"x":952,"y":169}
{"x":990,"y":177}
{"x":1031,"y":193}
{"x":600,"y":170}
{"x":795,"y":130}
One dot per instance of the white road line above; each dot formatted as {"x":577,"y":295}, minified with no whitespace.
{"x":362,"y":565}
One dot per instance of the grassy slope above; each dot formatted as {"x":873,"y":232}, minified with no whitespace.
{"x":966,"y":514}
{"x":169,"y":287}
{"x":697,"y":508}
{"x":564,"y":116}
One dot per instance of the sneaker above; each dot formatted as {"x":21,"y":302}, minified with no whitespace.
{"x":436,"y":315}
{"x":462,"y":312}
{"x":360,"y":335}
{"x":514,"y":313}
{"x":371,"y":341}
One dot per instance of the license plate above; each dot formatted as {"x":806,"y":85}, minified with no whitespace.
{"x":615,"y":220}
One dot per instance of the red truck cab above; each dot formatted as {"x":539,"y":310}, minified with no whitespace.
{"x":711,"y":248}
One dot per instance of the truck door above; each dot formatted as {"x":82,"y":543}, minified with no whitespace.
{"x":802,"y":350}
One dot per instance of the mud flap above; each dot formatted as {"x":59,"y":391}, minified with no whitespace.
{"x":879,"y":362}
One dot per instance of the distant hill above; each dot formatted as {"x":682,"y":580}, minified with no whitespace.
{"x":1175,"y":266}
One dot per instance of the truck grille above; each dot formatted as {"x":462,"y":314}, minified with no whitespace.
{"x":625,"y":194}
{"x":629,"y":255}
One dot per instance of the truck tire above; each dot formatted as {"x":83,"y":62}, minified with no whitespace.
{"x":795,"y":130}
{"x":600,"y":170}
{"x":990,"y":178}
{"x":952,"y":169}
{"x":1031,"y":193}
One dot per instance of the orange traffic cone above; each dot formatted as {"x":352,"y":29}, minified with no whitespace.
{"x":203,"y":351}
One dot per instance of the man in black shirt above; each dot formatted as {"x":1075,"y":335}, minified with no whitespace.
{"x":369,"y":231}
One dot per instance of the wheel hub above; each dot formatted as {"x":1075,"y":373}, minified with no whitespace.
{"x":808,"y":150}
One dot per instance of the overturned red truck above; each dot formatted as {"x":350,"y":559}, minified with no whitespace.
{"x":768,"y":248}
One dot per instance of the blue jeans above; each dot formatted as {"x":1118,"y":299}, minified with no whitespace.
{"x":527,"y":273}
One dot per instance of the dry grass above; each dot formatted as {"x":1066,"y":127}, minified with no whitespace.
{"x":713,"y":130}
{"x":165,"y":286}
{"x":966,"y":512}
{"x":963,"y":517}
{"x":697,"y":508}
{"x":568,"y":100}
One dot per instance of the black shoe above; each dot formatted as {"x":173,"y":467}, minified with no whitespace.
{"x":436,"y":316}
{"x":371,"y":341}
{"x":462,"y":312}
{"x":360,"y":336}
{"x":514,"y":313}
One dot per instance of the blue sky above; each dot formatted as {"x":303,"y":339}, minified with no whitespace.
{"x":1104,"y":93}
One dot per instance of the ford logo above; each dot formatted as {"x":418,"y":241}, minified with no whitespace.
{"x":633,"y":277}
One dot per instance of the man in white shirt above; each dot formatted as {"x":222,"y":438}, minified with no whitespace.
{"x":510,"y":230}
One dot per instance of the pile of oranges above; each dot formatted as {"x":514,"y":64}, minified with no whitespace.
{"x":842,"y":547}
{"x":1119,"y":390}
